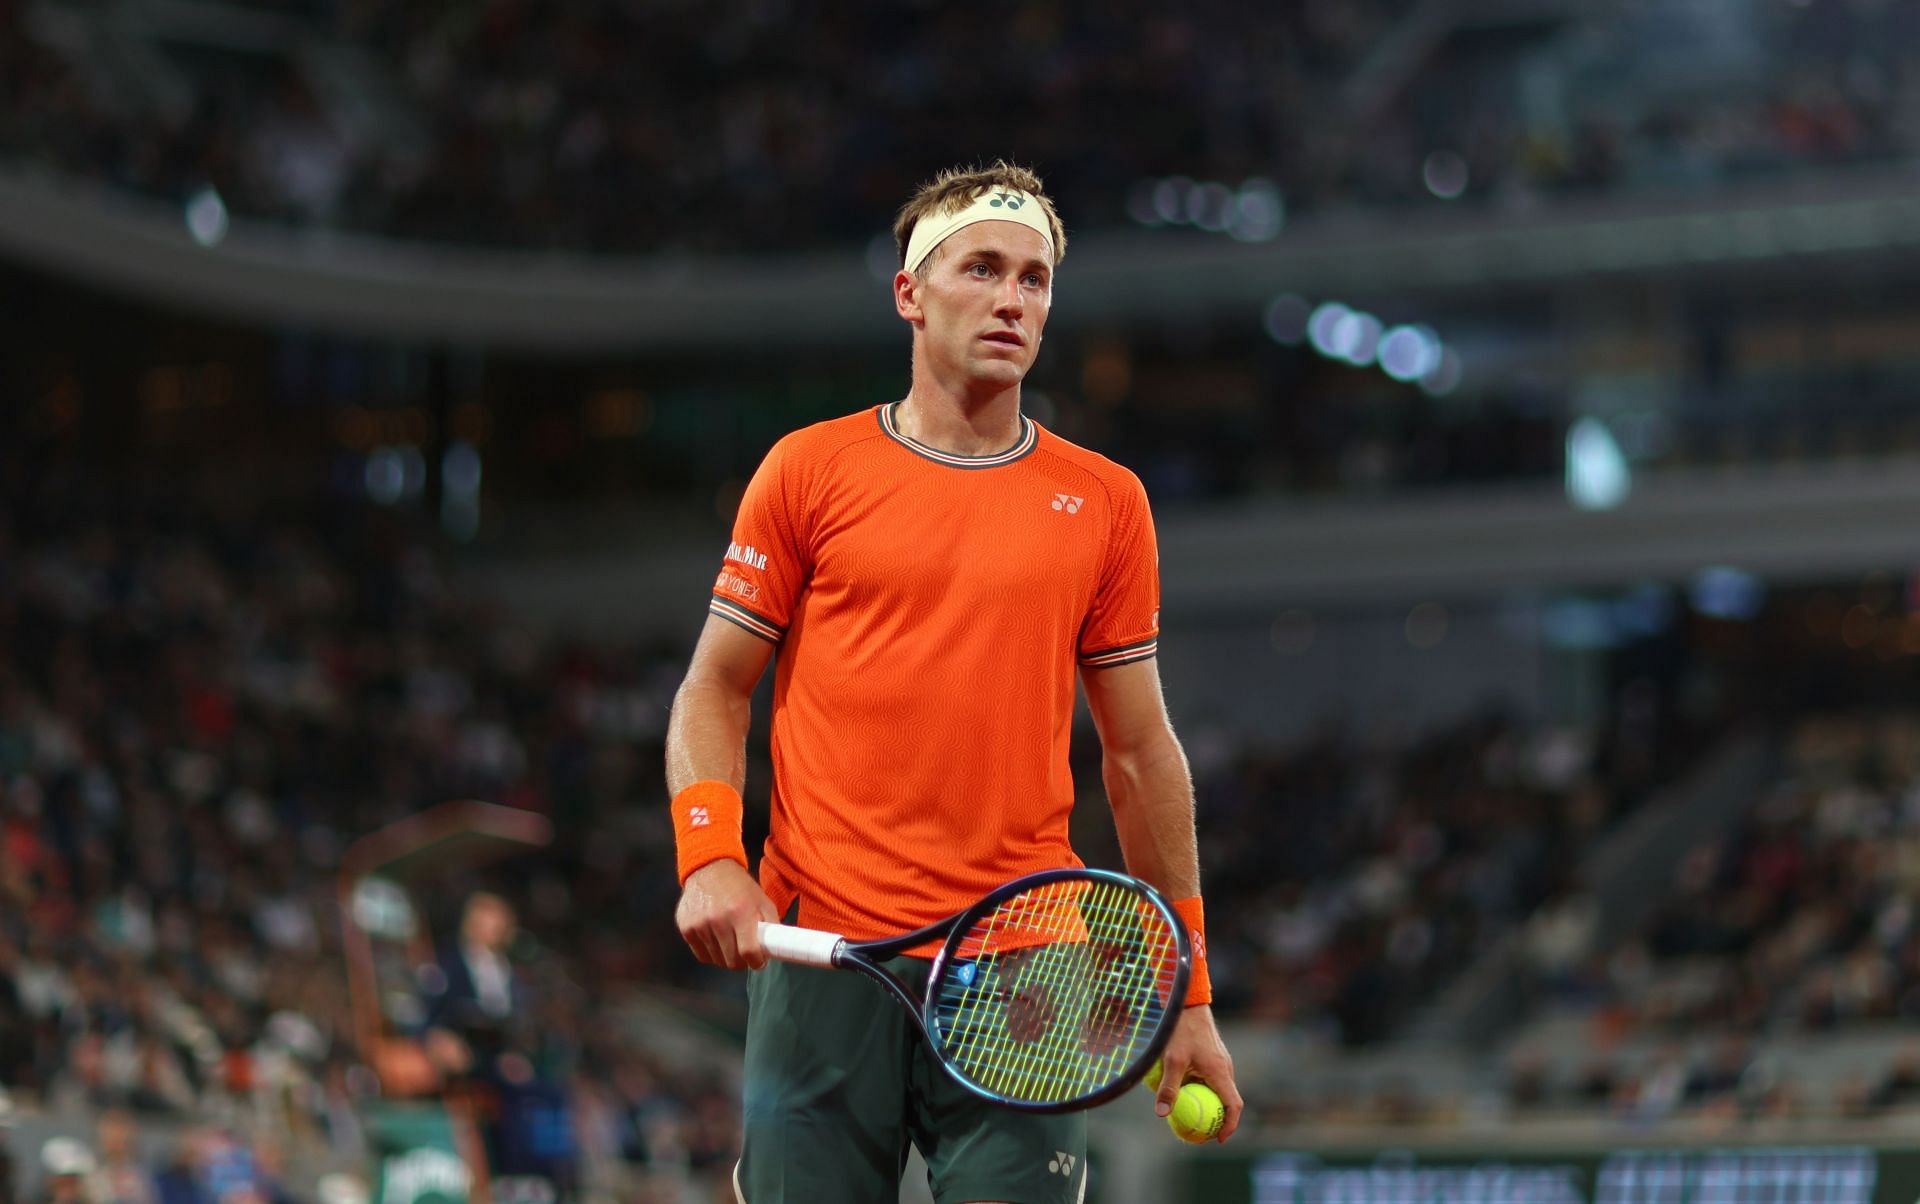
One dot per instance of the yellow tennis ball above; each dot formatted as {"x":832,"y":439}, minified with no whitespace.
{"x":1153,"y":1076}
{"x":1197,"y":1114}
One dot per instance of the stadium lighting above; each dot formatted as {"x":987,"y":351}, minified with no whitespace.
{"x":1286,"y":319}
{"x":1720,"y":592}
{"x":1357,"y":336}
{"x":460,"y":470}
{"x":1340,"y":332}
{"x":1259,"y":211}
{"x":1210,"y":206}
{"x":386,"y":475}
{"x":1578,"y":624}
{"x":1170,"y":199}
{"x":1597,"y":474}
{"x":1445,"y":174}
{"x":1325,"y":320}
{"x":1408,"y":353}
{"x":1253,"y":212}
{"x":206,"y":217}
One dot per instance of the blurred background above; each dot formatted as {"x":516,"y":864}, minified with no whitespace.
{"x":1525,"y":390}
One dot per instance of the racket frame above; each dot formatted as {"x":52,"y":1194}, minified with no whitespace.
{"x":809,"y":947}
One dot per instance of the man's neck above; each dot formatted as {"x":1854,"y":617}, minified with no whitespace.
{"x":959,"y":425}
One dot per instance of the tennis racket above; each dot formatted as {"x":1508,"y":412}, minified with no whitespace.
{"x":1053,"y":993}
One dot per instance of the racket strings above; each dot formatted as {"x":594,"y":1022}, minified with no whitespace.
{"x":1067,"y":983}
{"x":1063,"y":982}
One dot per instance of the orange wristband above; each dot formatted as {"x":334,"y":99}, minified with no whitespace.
{"x":707,"y":821}
{"x":1200,"y":984}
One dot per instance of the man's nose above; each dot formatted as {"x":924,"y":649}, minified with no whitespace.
{"x":1010,"y":301}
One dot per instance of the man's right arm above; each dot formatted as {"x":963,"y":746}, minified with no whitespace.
{"x":720,"y":903}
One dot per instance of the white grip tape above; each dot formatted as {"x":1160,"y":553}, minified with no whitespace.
{"x":806,"y":946}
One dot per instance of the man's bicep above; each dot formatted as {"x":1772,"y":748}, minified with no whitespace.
{"x":730,"y":656}
{"x":1128,"y":708}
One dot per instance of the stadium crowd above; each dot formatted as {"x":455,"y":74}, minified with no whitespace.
{"x":1801,"y":919}
{"x":194,"y":724}
{"x":1362,"y":880}
{"x":665,"y":126}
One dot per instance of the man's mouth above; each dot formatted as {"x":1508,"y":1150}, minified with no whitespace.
{"x":1005,"y":337}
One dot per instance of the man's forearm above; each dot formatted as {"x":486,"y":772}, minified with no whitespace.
{"x":707,"y":735}
{"x":1151,"y":792}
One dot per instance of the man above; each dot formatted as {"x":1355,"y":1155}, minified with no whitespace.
{"x":121,"y":1176}
{"x":66,"y":1163}
{"x":479,"y":1028}
{"x":472,"y":994}
{"x":932,"y":572}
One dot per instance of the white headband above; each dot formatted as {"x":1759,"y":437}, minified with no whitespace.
{"x":993,"y":205}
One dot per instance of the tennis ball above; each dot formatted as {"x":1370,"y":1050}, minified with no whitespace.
{"x":1197,"y":1114}
{"x":1153,"y":1076}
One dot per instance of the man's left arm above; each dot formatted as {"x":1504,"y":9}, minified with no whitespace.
{"x":1151,"y":791}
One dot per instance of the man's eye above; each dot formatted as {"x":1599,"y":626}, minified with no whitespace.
{"x":978,"y":269}
{"x":1034,"y":281}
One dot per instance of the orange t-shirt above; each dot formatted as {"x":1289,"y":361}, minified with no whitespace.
{"x":930,"y":611}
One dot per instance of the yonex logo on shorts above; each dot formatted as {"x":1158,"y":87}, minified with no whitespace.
{"x":1068,"y":502}
{"x":1062,"y":1163}
{"x":697,"y":817}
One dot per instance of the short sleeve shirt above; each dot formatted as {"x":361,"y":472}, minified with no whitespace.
{"x":930,"y":612}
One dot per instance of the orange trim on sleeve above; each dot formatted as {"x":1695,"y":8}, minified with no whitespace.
{"x":1200,"y":985}
{"x":708,"y":818}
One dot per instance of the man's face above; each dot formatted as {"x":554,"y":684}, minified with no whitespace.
{"x":116,"y":1137}
{"x":981,"y":301}
{"x":489,"y":923}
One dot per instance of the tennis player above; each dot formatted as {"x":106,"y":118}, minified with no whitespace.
{"x":933,"y":573}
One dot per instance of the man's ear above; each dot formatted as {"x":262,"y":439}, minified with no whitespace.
{"x":906,"y":296}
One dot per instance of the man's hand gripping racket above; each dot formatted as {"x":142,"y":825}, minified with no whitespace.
{"x":1053,"y":993}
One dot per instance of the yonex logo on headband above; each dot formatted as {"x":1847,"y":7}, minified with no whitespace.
{"x":999,"y":205}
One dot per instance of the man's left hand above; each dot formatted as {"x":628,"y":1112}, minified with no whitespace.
{"x":1196,"y":1053}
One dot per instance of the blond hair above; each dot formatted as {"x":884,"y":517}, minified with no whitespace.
{"x":957,"y":187}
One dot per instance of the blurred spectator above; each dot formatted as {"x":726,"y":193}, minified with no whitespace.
{"x":65,"y":1165}
{"x":122,"y":1176}
{"x":481,"y":1028}
{"x":475,"y":999}
{"x":7,"y":1171}
{"x":1559,"y":937}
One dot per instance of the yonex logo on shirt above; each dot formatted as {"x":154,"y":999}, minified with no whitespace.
{"x":733,"y":584}
{"x":1068,"y":502}
{"x":697,"y":817}
{"x":749,"y":555}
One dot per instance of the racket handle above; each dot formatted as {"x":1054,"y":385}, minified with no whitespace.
{"x":805,"y":946}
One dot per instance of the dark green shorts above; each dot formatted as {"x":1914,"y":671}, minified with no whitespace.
{"x":839,"y":1082}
